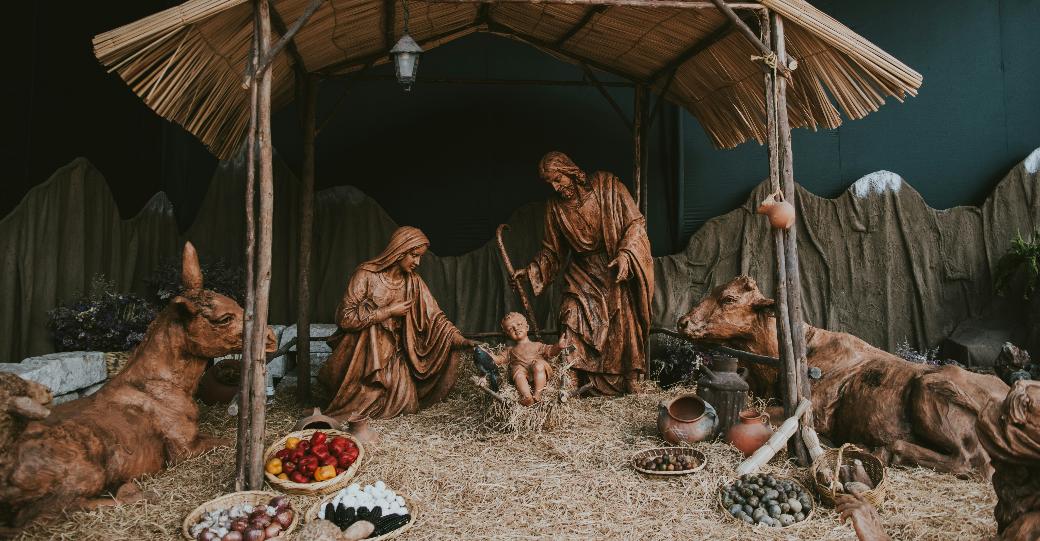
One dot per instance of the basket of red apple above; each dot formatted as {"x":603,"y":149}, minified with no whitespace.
{"x":313,"y":461}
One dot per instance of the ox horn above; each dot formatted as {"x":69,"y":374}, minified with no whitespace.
{"x":191,"y":273}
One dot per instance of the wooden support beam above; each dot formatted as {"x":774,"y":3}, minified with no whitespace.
{"x":287,"y":38}
{"x":265,"y":229}
{"x":242,"y":455}
{"x":606,"y":95}
{"x":585,"y":19}
{"x":279,"y":26}
{"x":763,"y":49}
{"x":681,"y":4}
{"x":499,"y":28}
{"x":389,"y":16}
{"x":483,"y":14}
{"x":308,"y":112}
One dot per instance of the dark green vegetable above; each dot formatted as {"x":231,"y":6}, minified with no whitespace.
{"x":389,"y":523}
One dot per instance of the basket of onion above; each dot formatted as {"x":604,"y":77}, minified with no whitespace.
{"x":312,"y":462}
{"x":242,"y":516}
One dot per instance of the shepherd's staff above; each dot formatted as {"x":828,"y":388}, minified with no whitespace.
{"x":518,"y":288}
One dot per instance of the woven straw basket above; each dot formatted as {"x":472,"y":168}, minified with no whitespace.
{"x":660,"y":451}
{"x":253,"y":497}
{"x":725,"y":511}
{"x":832,"y":459}
{"x":312,"y":515}
{"x":317,"y":487}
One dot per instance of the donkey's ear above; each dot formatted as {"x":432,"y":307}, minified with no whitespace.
{"x":186,"y":308}
{"x":191,"y":273}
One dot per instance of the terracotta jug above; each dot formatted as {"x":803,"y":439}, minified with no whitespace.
{"x":751,"y":432}
{"x":686,"y":418}
{"x":364,"y":433}
{"x":781,"y":213}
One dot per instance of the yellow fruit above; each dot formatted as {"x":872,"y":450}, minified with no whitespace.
{"x":291,"y":443}
{"x":274,"y":466}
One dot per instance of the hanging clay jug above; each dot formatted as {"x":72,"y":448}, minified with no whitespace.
{"x":686,"y":418}
{"x":751,"y":432}
{"x":780,"y":212}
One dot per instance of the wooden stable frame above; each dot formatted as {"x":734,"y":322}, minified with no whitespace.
{"x":249,"y":472}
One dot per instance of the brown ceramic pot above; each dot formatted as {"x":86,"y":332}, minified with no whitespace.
{"x":751,"y":432}
{"x":686,"y":418}
{"x":318,"y":420}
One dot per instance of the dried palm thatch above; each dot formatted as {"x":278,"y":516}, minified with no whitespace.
{"x":571,"y":483}
{"x":188,"y":62}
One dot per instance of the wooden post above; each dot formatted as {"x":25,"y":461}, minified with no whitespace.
{"x":245,"y":379}
{"x":254,"y":359}
{"x":775,"y":110}
{"x":794,"y":287}
{"x":303,"y":291}
{"x":638,"y":125}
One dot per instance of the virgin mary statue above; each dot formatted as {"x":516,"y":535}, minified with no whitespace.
{"x":396,"y":351}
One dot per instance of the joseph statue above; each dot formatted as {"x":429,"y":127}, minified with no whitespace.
{"x":594,"y":227}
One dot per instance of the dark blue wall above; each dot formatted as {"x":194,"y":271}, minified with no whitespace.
{"x":976,"y":116}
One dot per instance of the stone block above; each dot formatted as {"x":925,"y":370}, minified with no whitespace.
{"x":63,"y":372}
{"x":319,"y":349}
{"x":61,"y":399}
{"x":92,"y":389}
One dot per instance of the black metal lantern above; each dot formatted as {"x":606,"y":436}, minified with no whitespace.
{"x":406,"y":55}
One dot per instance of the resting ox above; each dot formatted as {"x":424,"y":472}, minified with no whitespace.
{"x":912,"y":414}
{"x":144,"y":417}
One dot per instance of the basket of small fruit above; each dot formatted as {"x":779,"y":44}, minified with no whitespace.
{"x":313,"y":462}
{"x":242,"y":516}
{"x":389,"y":512}
{"x":669,"y":461}
{"x":767,"y":500}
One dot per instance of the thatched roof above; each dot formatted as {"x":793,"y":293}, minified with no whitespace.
{"x":188,"y":62}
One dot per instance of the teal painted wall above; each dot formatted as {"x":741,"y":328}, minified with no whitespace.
{"x":977,"y":115}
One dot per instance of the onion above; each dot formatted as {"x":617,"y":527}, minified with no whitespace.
{"x":273,"y":530}
{"x":207,"y":535}
{"x":232,"y":536}
{"x":254,"y":535}
{"x":239,"y":524}
{"x":284,"y":518}
{"x":279,"y":502}
{"x":261,"y":521}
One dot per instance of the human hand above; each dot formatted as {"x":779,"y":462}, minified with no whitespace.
{"x":520,"y":275}
{"x":621,"y":264}
{"x":464,"y":343}
{"x":398,"y":309}
{"x":864,"y":517}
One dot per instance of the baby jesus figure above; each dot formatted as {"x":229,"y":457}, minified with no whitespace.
{"x":527,"y":361}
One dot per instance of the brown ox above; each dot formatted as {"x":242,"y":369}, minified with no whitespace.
{"x":144,"y":417}
{"x":909,"y":413}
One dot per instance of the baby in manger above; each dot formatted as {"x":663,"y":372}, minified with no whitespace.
{"x":527,"y":361}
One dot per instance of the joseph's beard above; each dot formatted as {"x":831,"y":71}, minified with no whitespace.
{"x":568,"y":193}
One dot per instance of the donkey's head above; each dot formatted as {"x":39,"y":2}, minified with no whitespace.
{"x":212,"y":322}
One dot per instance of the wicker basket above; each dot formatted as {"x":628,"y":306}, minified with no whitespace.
{"x":832,"y":459}
{"x":808,"y":517}
{"x":660,"y":451}
{"x":312,"y":515}
{"x":317,"y":487}
{"x":254,"y":497}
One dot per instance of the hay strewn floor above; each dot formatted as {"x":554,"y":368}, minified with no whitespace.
{"x":572,"y":483}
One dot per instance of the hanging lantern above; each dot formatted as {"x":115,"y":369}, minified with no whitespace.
{"x":406,"y":60}
{"x":406,"y":55}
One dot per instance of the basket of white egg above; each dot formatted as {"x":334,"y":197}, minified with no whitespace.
{"x":390,"y":513}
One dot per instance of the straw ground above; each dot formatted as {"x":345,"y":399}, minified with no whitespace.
{"x":470,"y":481}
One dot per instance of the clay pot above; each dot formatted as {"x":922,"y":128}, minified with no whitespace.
{"x":212,"y":390}
{"x":686,"y":418}
{"x":751,"y":432}
{"x":364,"y":433}
{"x":781,"y":213}
{"x":318,"y":420}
